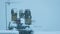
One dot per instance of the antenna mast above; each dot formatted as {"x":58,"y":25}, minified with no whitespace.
{"x":6,"y":4}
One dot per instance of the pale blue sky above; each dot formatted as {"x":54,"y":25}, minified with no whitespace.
{"x":46,"y":13}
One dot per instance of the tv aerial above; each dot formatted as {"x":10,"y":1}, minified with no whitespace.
{"x":7,"y":3}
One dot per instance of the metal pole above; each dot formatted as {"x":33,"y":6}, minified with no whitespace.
{"x":6,"y":14}
{"x":6,"y":3}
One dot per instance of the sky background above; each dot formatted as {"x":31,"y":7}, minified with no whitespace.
{"x":45,"y":13}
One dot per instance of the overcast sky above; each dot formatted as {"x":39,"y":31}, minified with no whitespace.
{"x":46,"y":13}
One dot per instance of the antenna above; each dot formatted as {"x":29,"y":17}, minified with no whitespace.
{"x":8,"y":2}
